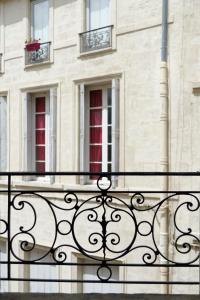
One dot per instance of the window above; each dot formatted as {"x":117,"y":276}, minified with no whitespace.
{"x":37,"y":50}
{"x":3,"y":133}
{"x":98,"y":33}
{"x":41,"y":272}
{"x":3,"y":267}
{"x":40,"y":131}
{"x":40,"y":20}
{"x":99,"y":132}
{"x":97,"y":13}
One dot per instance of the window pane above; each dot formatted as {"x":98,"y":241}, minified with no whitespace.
{"x":109,"y":115}
{"x":40,"y":20}
{"x":95,"y":168}
{"x":109,"y":168}
{"x":96,"y":135}
{"x":40,"y":152}
{"x":109,"y":152}
{"x":95,"y":153}
{"x":40,"y":104}
{"x":96,"y":98}
{"x":109,"y":96}
{"x":109,"y":134}
{"x":99,"y":13}
{"x":95,"y":117}
{"x":40,"y":166}
{"x":40,"y":121}
{"x":40,"y":137}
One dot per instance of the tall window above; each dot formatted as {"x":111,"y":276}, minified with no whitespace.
{"x":3,"y":133}
{"x":40,"y":119}
{"x":99,"y":128}
{"x":40,"y":20}
{"x":40,"y":131}
{"x":97,"y":13}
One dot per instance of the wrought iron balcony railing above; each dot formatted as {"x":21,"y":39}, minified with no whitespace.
{"x":96,"y":39}
{"x":38,"y":56}
{"x":109,"y":226}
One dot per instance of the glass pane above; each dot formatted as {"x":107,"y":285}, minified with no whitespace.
{"x":109,"y":167}
{"x":40,"y":121}
{"x":109,"y":153}
{"x":95,"y":117}
{"x":96,"y":135}
{"x":40,"y":104}
{"x":109,"y":115}
{"x":95,"y":168}
{"x":96,"y":98}
{"x":40,"y":166}
{"x":40,"y":152}
{"x":40,"y":20}
{"x":40,"y":137}
{"x":109,"y":134}
{"x":95,"y":153}
{"x":109,"y":91}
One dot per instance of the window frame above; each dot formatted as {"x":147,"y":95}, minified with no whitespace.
{"x":104,"y":161}
{"x":47,"y":132}
{"x":50,"y":134}
{"x":83,"y":138}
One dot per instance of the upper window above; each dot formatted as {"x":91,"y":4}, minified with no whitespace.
{"x":38,"y":47}
{"x":98,"y":33}
{"x":97,"y":14}
{"x":40,"y":20}
{"x":3,"y":133}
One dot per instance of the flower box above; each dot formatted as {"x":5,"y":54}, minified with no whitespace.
{"x":32,"y":46}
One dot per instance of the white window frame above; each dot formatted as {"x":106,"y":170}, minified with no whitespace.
{"x":50,"y":133}
{"x":84,"y":132}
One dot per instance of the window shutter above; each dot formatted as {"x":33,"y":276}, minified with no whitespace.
{"x":52,"y":133}
{"x":115,"y":128}
{"x":28,"y":147}
{"x":82,"y":131}
{"x":3,"y":133}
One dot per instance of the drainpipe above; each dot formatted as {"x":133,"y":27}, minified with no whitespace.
{"x":164,"y":160}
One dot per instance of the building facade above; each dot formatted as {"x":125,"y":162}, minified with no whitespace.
{"x":80,"y":91}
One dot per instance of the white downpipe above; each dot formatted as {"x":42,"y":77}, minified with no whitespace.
{"x":164,"y":231}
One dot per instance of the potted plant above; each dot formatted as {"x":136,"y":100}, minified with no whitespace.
{"x":32,"y":45}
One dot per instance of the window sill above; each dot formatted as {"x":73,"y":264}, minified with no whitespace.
{"x":45,"y":63}
{"x":96,"y":52}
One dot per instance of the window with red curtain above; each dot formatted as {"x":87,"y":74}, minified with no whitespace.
{"x":95,"y":132}
{"x":40,"y":134}
{"x":100,"y":131}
